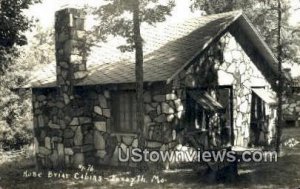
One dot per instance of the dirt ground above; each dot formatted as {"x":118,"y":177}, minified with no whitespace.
{"x":283,"y":174}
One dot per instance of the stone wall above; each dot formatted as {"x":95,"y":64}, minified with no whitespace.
{"x":73,"y":124}
{"x":163,"y":112}
{"x":85,"y":136}
{"x":226,"y":64}
{"x":202,"y":75}
{"x":239,"y":71}
{"x":76,"y":138}
{"x":291,"y":108}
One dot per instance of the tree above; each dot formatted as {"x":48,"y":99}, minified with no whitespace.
{"x":280,"y":80}
{"x":114,"y":21}
{"x":14,"y":116}
{"x":15,"y":119}
{"x":13,"y":25}
{"x":16,"y":125}
{"x":139,"y":73}
{"x":40,"y":50}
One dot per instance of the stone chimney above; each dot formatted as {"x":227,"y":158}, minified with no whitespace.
{"x":70,"y":39}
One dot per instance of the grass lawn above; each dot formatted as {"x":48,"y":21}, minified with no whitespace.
{"x":283,"y":174}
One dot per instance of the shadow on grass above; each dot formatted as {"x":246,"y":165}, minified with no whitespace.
{"x":283,"y":174}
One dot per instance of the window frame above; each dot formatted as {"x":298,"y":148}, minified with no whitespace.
{"x":123,"y":107}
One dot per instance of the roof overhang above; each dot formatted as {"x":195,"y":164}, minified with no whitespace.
{"x":266,"y":95}
{"x":206,"y":101}
{"x":252,"y":43}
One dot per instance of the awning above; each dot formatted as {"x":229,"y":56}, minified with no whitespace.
{"x":268,"y":97}
{"x":206,"y":101}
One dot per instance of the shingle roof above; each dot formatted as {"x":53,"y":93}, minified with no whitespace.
{"x":167,"y":47}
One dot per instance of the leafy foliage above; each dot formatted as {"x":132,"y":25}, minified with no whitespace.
{"x":14,"y":116}
{"x":41,"y":49}
{"x":115,"y":18}
{"x":13,"y":25}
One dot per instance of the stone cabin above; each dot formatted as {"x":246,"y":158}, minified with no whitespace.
{"x":213,"y":75}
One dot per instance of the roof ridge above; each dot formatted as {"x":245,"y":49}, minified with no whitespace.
{"x":238,"y":12}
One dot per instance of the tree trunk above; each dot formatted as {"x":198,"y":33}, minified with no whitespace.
{"x":280,"y":81}
{"x":139,"y":73}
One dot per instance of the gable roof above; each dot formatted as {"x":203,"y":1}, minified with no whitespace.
{"x":168,"y":49}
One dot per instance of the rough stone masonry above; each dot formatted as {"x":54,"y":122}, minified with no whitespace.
{"x":73,"y":124}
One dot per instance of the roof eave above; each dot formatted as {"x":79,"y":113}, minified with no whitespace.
{"x":254,"y":37}
{"x":264,"y":50}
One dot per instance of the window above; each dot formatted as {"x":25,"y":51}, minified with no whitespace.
{"x":210,"y":114}
{"x":263,"y":116}
{"x":224,"y":96}
{"x":124,"y":111}
{"x":197,"y":118}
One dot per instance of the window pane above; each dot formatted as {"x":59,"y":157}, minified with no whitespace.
{"x":124,"y":112}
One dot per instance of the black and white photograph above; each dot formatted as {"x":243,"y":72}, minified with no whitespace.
{"x":154,"y":94}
